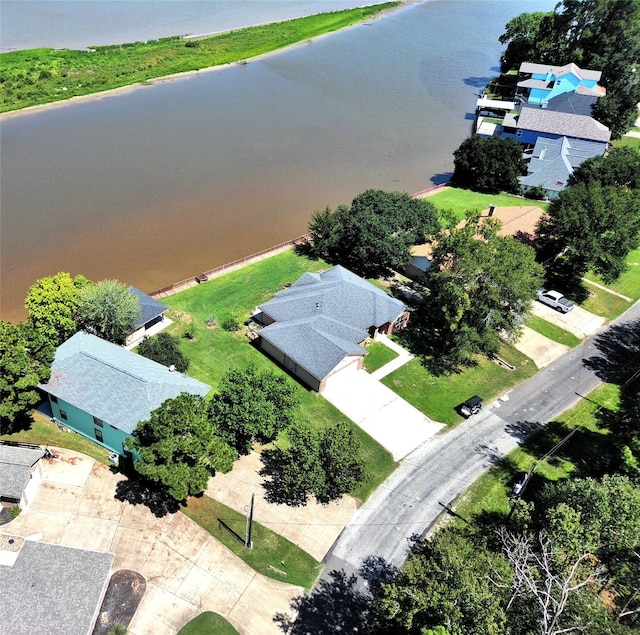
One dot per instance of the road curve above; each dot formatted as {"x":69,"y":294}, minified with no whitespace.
{"x":412,"y":498}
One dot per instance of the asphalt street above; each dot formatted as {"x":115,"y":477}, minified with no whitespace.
{"x":437,"y":472}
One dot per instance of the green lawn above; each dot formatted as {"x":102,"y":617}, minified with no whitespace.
{"x":272,"y":555}
{"x":460,"y":201}
{"x":40,"y":76}
{"x":213,"y":351}
{"x":489,"y":494}
{"x":629,"y":142}
{"x":629,"y":282}
{"x":437,"y":397}
{"x":378,"y":355}
{"x":553,"y":332}
{"x":43,"y":431}
{"x":208,"y":623}
{"x":605,"y":304}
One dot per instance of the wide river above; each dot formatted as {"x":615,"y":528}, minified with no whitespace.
{"x":161,"y":182}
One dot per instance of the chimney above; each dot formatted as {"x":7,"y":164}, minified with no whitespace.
{"x":542,"y":152}
{"x":492,"y":209}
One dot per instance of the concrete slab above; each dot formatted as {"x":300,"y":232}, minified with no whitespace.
{"x":215,"y":559}
{"x":161,"y":613}
{"x":539,"y":348}
{"x":87,"y":532}
{"x":72,"y":468}
{"x":578,"y":321}
{"x":210,"y":593}
{"x":381,"y":413}
{"x":131,"y":547}
{"x":166,"y":567}
{"x":55,"y":498}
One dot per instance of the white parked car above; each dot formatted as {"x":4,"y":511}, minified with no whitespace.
{"x":555,"y":300}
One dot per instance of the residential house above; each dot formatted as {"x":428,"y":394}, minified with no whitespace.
{"x":540,"y":83}
{"x":532,"y":122}
{"x":103,"y":391}
{"x":316,"y":328}
{"x":51,"y":589}
{"x":151,"y":315}
{"x":553,"y":162}
{"x":21,"y":472}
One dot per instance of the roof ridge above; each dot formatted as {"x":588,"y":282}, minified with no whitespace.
{"x":110,"y":365}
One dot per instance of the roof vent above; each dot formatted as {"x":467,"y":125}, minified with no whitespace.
{"x":317,"y":305}
{"x":172,"y":368}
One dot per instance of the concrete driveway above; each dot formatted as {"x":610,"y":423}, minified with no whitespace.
{"x":539,"y":348}
{"x":578,"y":321}
{"x":381,"y":413}
{"x":187,"y":571}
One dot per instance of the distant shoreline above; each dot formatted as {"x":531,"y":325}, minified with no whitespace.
{"x":177,"y":76}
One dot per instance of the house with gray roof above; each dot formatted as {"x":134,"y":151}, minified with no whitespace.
{"x":21,"y":471}
{"x":316,"y":327}
{"x":52,"y":589}
{"x":151,"y":315}
{"x":532,"y":122}
{"x":103,"y":391}
{"x":553,"y":162}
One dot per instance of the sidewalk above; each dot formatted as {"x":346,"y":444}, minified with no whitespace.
{"x":403,"y":357}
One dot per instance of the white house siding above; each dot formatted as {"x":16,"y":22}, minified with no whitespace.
{"x":35,"y":478}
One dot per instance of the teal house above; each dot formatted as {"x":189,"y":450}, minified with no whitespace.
{"x":540,"y":83}
{"x":102,"y":391}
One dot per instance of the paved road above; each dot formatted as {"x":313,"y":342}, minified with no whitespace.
{"x":411,"y":499}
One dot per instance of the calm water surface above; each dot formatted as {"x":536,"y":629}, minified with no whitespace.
{"x":162,"y":182}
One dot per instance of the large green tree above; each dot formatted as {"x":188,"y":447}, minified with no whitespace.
{"x":374,"y":235}
{"x":252,"y":405}
{"x":164,"y":349}
{"x":25,"y":359}
{"x":52,"y":303}
{"x":488,"y":164}
{"x":108,"y":309}
{"x":619,"y":168}
{"x":480,"y":289}
{"x":595,"y":34}
{"x":179,"y":447}
{"x":591,"y":227}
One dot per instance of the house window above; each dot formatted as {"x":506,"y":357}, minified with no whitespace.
{"x":97,"y":421}
{"x":53,"y":398}
{"x":63,"y":415}
{"x":98,"y":434}
{"x":519,"y":133}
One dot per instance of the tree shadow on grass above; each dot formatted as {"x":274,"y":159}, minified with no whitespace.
{"x":279,"y":489}
{"x":141,"y":492}
{"x":333,"y":606}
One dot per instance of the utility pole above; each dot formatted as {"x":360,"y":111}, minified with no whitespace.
{"x":249,"y":509}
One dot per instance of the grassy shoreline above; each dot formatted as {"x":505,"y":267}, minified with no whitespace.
{"x":41,"y":77}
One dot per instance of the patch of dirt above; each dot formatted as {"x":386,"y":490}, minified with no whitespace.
{"x":124,"y":594}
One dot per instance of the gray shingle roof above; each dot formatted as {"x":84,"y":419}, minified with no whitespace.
{"x":323,"y":317}
{"x":52,"y":589}
{"x":15,"y":466}
{"x":554,"y":161}
{"x":573,"y":103}
{"x":114,"y":384}
{"x":149,"y":308}
{"x":561,"y":123}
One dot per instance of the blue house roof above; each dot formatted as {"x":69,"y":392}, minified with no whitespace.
{"x":323,"y":317}
{"x":554,"y":160}
{"x":113,"y":384}
{"x":149,"y":308}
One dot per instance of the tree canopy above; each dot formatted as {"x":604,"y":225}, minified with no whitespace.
{"x":52,"y":303}
{"x":373,"y":237}
{"x":619,"y":168}
{"x":591,"y":227}
{"x":480,"y":288}
{"x":164,"y":349}
{"x":109,"y":310}
{"x":595,"y":34}
{"x":490,"y":164}
{"x":252,"y":405}
{"x":179,"y":447}
{"x":25,"y":359}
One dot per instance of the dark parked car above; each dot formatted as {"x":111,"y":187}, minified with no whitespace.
{"x":471,"y":406}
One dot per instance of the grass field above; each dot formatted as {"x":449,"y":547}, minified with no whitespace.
{"x":553,"y":332}
{"x":41,"y":76}
{"x":437,"y":397}
{"x":272,"y":555}
{"x":44,"y":432}
{"x":378,"y":355}
{"x":460,"y":201}
{"x":213,"y":351}
{"x":489,"y":494}
{"x":629,"y":142}
{"x":629,"y":282}
{"x":208,"y":623}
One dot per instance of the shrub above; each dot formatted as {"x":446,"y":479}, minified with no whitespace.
{"x":14,"y":512}
{"x":164,"y":349}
